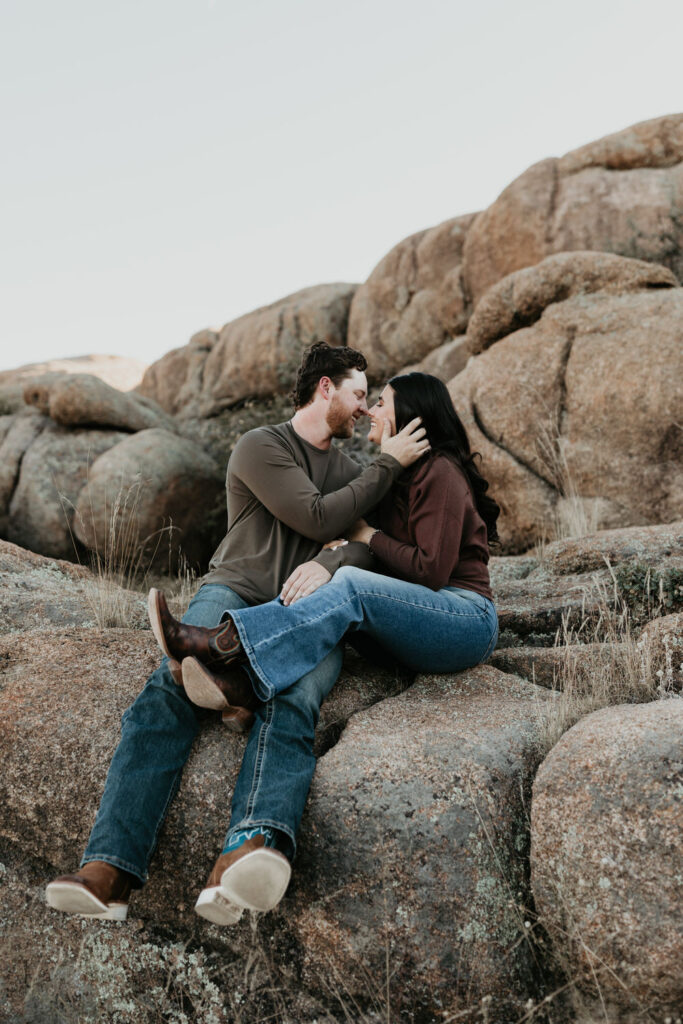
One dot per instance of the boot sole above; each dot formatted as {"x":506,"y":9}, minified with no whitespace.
{"x":201,"y":689}
{"x":257,"y":881}
{"x":213,"y":906}
{"x":155,"y":621}
{"x":77,"y":899}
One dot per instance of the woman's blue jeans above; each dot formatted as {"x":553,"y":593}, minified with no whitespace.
{"x":157,"y":732}
{"x":430,"y":631}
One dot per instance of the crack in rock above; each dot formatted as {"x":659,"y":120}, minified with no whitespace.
{"x":501,"y":447}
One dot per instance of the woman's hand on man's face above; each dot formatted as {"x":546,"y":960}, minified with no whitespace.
{"x":408,"y":445}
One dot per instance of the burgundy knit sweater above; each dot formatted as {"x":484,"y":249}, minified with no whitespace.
{"x":440,"y":539}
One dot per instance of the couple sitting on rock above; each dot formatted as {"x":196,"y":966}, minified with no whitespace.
{"x":262,"y":638}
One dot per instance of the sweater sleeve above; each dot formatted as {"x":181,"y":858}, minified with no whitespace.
{"x":266,"y":467}
{"x":354,"y":553}
{"x":436,"y":512}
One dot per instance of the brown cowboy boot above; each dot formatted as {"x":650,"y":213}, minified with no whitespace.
{"x":230,"y":692}
{"x":219,"y":645}
{"x":253,"y":876}
{"x":97,"y":890}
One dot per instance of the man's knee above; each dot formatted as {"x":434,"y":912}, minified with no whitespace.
{"x":159,"y":691}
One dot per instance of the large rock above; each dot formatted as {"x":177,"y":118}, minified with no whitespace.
{"x":412,"y":847}
{"x":54,"y":471}
{"x":550,"y":405}
{"x":413,"y":301}
{"x":42,"y":593}
{"x":81,"y":399}
{"x":646,"y":545}
{"x":18,"y":432}
{"x":57,"y":741}
{"x":446,"y":361}
{"x":606,"y":841}
{"x":118,"y":371}
{"x":152,"y":496}
{"x":520,"y":299}
{"x":620,"y":194}
{"x":57,"y":732}
{"x":254,"y":356}
{"x":581,"y":581}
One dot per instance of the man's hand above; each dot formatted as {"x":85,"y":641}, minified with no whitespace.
{"x":332,"y":545}
{"x":304,"y":581}
{"x":408,"y":444}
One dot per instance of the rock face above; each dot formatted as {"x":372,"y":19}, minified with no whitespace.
{"x":410,"y":848}
{"x":550,"y":405}
{"x":662,"y":642}
{"x":81,"y":399}
{"x":606,"y":840}
{"x":413,"y":301}
{"x":254,"y":356}
{"x":160,"y":490}
{"x":520,"y":299}
{"x":572,"y":582}
{"x":620,"y":194}
{"x":117,"y":371}
{"x":412,"y":862}
{"x":17,"y":433}
{"x":45,"y":593}
{"x":54,"y":471}
{"x":446,"y":361}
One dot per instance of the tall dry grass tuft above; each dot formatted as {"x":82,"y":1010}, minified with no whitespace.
{"x":180,"y":587}
{"x":575,"y":516}
{"x":121,"y":565}
{"x":603,"y":661}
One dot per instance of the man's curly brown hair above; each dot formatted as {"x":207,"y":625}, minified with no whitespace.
{"x":323,"y":360}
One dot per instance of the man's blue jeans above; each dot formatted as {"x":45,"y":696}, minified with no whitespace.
{"x":157,"y":732}
{"x":430,"y":631}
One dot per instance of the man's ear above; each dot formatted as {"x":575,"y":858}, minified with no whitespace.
{"x":325,"y":387}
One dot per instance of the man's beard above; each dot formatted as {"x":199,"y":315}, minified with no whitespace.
{"x":338,"y":419}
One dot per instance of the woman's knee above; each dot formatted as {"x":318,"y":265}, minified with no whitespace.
{"x":351,"y":577}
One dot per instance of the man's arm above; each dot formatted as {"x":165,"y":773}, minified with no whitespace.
{"x":266,"y":467}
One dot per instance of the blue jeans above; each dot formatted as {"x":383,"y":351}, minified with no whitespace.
{"x":157,"y":732}
{"x":430,"y":631}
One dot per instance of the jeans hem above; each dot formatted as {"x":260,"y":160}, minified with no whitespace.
{"x":264,"y":823}
{"x":263,"y":688}
{"x":116,"y":862}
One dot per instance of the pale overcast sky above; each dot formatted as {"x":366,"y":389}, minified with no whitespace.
{"x":171,"y":165}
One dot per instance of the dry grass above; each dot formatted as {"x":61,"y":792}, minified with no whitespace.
{"x":121,"y":565}
{"x":618,"y":667}
{"x":574,"y":516}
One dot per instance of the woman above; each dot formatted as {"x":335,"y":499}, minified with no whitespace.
{"x":429,"y":602}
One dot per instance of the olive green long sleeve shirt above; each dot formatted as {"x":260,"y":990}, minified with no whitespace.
{"x":286,"y":498}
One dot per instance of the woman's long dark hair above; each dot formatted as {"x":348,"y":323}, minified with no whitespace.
{"x":420,"y":394}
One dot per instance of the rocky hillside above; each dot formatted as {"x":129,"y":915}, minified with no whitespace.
{"x":502,"y":845}
{"x":447,"y":862}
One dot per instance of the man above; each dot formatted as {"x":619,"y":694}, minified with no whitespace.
{"x":289,"y":491}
